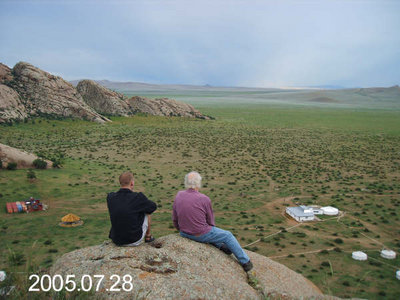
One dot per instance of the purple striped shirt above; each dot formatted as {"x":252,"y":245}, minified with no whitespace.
{"x":192,"y":212}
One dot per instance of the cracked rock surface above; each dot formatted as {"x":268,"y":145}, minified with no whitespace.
{"x":46,"y":94}
{"x":103,"y":100}
{"x":177,"y":268}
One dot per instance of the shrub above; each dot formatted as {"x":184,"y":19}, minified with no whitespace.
{"x":1,"y":164}
{"x":11,"y":166}
{"x":16,"y":259}
{"x":56,"y":162}
{"x":40,"y":163}
{"x":31,"y":174}
{"x":325,"y":264}
{"x":338,"y":241}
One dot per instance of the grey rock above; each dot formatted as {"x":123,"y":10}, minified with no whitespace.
{"x":43,"y":93}
{"x":22,"y":158}
{"x":178,"y":268}
{"x":164,"y":107}
{"x":103,"y":100}
{"x":11,"y":107}
{"x":5,"y":74}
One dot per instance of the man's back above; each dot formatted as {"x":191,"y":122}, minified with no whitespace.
{"x":192,"y":212}
{"x":127,"y":211}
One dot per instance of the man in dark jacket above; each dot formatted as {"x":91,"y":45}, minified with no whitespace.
{"x":129,"y":214}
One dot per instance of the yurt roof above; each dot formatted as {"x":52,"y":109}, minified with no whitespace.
{"x":70,"y":218}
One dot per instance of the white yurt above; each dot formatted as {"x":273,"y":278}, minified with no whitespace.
{"x":330,"y":210}
{"x":398,"y":274}
{"x":359,"y":255}
{"x":388,"y":254}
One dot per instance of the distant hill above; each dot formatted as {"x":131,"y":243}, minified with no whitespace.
{"x":149,"y":87}
{"x":364,"y":98}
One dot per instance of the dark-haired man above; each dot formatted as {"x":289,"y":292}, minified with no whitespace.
{"x":129,"y":214}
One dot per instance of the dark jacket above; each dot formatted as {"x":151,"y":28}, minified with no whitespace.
{"x":127,"y":210}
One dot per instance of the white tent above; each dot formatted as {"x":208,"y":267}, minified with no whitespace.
{"x":330,"y":211}
{"x":398,"y":274}
{"x":388,"y":254}
{"x":359,"y":255}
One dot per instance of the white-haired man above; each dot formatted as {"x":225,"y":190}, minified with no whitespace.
{"x":193,"y":216}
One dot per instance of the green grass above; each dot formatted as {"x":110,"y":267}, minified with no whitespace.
{"x":253,"y":157}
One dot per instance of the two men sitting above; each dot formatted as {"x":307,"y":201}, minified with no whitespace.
{"x":192,"y":215}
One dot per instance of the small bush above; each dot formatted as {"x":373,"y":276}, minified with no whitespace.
{"x":16,"y":259}
{"x":40,"y":163}
{"x":11,"y":166}
{"x":56,"y":162}
{"x":338,"y":241}
{"x":31,"y":174}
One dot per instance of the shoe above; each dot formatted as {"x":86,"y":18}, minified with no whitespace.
{"x":149,"y":239}
{"x":247,"y":266}
{"x":225,"y":249}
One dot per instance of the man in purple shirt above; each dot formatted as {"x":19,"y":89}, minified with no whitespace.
{"x":193,"y":216}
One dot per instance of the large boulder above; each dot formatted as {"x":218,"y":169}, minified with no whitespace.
{"x":11,"y":107}
{"x":5,"y":74}
{"x":46,"y":94}
{"x":164,"y":107}
{"x":103,"y":100}
{"x":22,"y":158}
{"x":177,"y":268}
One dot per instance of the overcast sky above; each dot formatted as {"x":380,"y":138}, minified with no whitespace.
{"x":222,"y":43}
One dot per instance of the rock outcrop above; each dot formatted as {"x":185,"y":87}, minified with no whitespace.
{"x":22,"y":158}
{"x":5,"y":74}
{"x":103,"y":100}
{"x":28,"y":91}
{"x":46,"y":94}
{"x":164,"y":107}
{"x":11,"y":107}
{"x":177,"y":268}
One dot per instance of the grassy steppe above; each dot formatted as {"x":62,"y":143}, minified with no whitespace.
{"x":255,"y":159}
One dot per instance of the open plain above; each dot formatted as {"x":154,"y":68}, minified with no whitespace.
{"x":257,"y":157}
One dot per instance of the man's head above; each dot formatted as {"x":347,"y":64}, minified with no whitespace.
{"x":126,"y":180}
{"x":193,"y":180}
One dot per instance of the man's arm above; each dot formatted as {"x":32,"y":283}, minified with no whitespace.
{"x":209,"y":213}
{"x":148,"y":206}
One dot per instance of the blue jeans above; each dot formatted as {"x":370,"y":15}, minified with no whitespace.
{"x":217,"y":237}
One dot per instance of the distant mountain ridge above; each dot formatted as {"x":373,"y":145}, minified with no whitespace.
{"x":124,"y":86}
{"x":141,"y":86}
